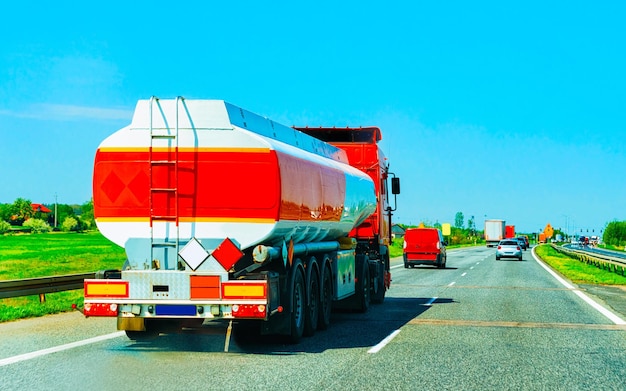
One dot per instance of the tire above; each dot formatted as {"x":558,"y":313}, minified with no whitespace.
{"x":378,"y":291}
{"x":497,"y":258}
{"x":363,"y":288}
{"x":298,"y":307}
{"x":141,"y":336}
{"x":313,"y":301}
{"x":154,"y":327}
{"x":326,"y":299}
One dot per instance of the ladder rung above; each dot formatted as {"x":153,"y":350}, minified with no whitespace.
{"x":163,"y":244}
{"x":163,"y":136}
{"x":163,"y":162}
{"x":163,"y":189}
{"x":164,"y":218}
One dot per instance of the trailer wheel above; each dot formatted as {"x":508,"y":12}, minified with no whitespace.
{"x":298,"y":307}
{"x":326,"y":299}
{"x":312,"y":308}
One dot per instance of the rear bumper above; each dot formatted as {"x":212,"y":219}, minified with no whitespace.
{"x":517,"y":254}
{"x":170,"y":294}
{"x":421,"y":258}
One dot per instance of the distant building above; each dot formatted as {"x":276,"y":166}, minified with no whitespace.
{"x":397,"y":231}
{"x":40,"y":208}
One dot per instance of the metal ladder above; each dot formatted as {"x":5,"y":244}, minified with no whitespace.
{"x":172,"y":163}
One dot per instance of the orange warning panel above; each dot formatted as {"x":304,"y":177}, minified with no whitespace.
{"x":204,"y":287}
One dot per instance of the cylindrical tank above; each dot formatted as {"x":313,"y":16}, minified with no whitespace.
{"x":210,"y":170}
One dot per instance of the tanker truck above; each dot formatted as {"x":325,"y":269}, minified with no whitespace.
{"x":229,"y":217}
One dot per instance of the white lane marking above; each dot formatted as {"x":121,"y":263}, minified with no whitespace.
{"x":472,"y":268}
{"x":395,"y":267}
{"x":452,"y":283}
{"x":384,"y":342}
{"x":464,"y":274}
{"x":60,"y":348}
{"x":431,"y":301}
{"x":610,"y":315}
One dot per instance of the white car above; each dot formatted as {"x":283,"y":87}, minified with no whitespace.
{"x":509,"y":248}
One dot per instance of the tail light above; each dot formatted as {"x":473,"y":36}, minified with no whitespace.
{"x":249,"y":310}
{"x":499,"y":247}
{"x":100,"y":309}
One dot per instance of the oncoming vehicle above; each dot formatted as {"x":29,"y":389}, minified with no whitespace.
{"x":509,"y":248}
{"x":424,"y":246}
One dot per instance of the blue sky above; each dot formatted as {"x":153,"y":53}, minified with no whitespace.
{"x":512,"y":111}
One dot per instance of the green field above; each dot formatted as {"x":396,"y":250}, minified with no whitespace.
{"x":41,"y":255}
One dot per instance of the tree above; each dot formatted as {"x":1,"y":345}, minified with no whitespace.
{"x":21,"y":210}
{"x":6,"y":211}
{"x":471,"y":225}
{"x":86,"y":215}
{"x":64,"y":211}
{"x":458,"y":220}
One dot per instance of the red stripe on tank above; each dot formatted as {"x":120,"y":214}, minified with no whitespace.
{"x":213,"y":184}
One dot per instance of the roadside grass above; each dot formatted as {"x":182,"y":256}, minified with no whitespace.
{"x":50,"y":254}
{"x":576,"y":271}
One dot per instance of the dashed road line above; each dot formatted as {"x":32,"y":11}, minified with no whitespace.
{"x":384,"y":342}
{"x":537,"y":325}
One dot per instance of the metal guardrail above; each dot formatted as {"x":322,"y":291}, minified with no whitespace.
{"x":42,"y":285}
{"x":605,"y":262}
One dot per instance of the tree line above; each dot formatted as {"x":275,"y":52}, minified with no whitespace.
{"x":615,"y":233}
{"x":21,"y":215}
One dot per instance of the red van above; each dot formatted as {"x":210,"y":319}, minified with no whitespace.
{"x":424,"y":246}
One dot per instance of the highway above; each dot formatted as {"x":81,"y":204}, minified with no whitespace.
{"x":597,"y":250}
{"x":478,"y":324}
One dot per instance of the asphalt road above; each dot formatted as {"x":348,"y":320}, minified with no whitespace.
{"x":478,"y":324}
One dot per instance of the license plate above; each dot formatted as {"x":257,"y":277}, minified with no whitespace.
{"x":173,"y":310}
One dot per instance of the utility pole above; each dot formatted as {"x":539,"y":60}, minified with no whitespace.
{"x":55,"y":210}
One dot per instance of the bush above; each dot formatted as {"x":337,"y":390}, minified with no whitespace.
{"x":37,"y":225}
{"x":4,"y":227}
{"x":69,"y":224}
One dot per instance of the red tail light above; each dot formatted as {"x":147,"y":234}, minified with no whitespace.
{"x":100,"y":309}
{"x":499,"y":247}
{"x":249,"y":311}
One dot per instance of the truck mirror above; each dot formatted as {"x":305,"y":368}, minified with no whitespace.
{"x":395,"y":185}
